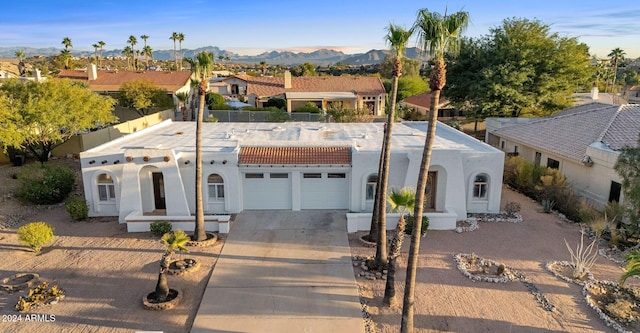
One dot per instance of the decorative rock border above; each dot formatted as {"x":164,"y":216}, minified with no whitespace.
{"x":511,"y":274}
{"x":212,"y":238}
{"x":165,"y":305}
{"x":365,"y":242}
{"x":472,"y":225}
{"x":502,"y":217}
{"x":6,"y":284}
{"x":615,"y":250}
{"x":462,"y":267}
{"x":548,"y":265}
{"x":592,"y":304}
{"x":190,"y":265}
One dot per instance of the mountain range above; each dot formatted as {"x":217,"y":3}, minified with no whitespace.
{"x":321,"y":57}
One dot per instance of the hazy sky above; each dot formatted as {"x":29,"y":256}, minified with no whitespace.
{"x":253,"y":26}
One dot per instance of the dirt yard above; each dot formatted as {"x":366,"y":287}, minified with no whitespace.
{"x":104,"y":270}
{"x":447,"y":301}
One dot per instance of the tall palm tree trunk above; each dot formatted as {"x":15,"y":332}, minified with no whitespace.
{"x":414,"y":250}
{"x":199,"y":232}
{"x":390,"y":298}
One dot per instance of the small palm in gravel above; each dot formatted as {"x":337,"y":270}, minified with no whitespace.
{"x":174,"y":241}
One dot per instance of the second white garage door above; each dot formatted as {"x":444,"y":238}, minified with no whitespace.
{"x":266,"y":190}
{"x":324,"y":190}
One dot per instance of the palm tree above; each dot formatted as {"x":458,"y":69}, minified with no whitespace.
{"x":397,"y":38}
{"x":133,"y":41}
{"x":182,"y":98}
{"x":66,"y":54}
{"x":174,"y":241}
{"x":437,"y":34}
{"x":96,"y":47}
{"x":264,"y":66}
{"x":144,"y":39}
{"x":128,"y":52}
{"x":174,"y":37}
{"x":20,"y":55}
{"x":402,"y":201}
{"x":102,"y":44}
{"x":201,"y":67}
{"x":148,"y":52}
{"x":67,"y":43}
{"x":615,"y":55}
{"x":180,"y":40}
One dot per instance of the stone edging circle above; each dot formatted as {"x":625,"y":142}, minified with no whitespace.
{"x":190,"y":268}
{"x":462,"y":267}
{"x":548,"y":265}
{"x":365,"y":242}
{"x":162,"y":306}
{"x":607,"y":320}
{"x":4,"y":284}
{"x":212,"y":238}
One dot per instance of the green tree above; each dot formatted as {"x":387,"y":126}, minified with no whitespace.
{"x":43,"y":115}
{"x":410,"y":67}
{"x":174,"y":241}
{"x":628,"y":167}
{"x":310,"y":107}
{"x":402,"y":201}
{"x":174,"y":38}
{"x":346,"y":115}
{"x":67,"y":43}
{"x":279,"y":103}
{"x":410,"y":86}
{"x":144,"y":97}
{"x":616,"y":55}
{"x":201,"y":67}
{"x":519,"y":69}
{"x":438,"y":34}
{"x":213,"y":99}
{"x":397,"y":38}
{"x":264,"y":66}
{"x":306,"y":69}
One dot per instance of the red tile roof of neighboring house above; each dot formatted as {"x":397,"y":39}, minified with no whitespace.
{"x":272,"y":86}
{"x":295,"y":155}
{"x":423,"y":100}
{"x":112,"y":80}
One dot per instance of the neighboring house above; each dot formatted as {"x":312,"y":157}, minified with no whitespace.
{"x":287,"y":166}
{"x":356,"y":92}
{"x":582,"y":142}
{"x":109,"y":82}
{"x":631,"y":94}
{"x":421,"y":103}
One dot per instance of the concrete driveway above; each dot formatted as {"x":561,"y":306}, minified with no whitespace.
{"x":283,"y":271}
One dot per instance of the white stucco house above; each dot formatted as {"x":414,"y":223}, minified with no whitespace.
{"x":582,"y":142}
{"x":150,"y":175}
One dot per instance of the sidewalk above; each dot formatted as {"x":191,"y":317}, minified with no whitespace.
{"x":282,"y":271}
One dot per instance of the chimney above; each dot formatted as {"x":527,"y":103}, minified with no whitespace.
{"x":594,"y":93}
{"x":93,"y":72}
{"x":287,"y":80}
{"x":37,"y":75}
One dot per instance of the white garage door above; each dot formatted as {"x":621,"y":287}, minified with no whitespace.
{"x":266,"y":190}
{"x":324,"y":190}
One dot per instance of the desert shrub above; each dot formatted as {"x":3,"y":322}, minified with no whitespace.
{"x":276,"y":102}
{"x":615,"y":212}
{"x":41,"y":294}
{"x":45,"y":184}
{"x":159,"y":228}
{"x":212,"y":98}
{"x":584,"y":257}
{"x":409,"y":225}
{"x":77,"y":209}
{"x":35,"y":235}
{"x":547,"y":205}
{"x":279,"y":116}
{"x":220,"y":107}
{"x":309,"y":107}
{"x":568,"y":203}
{"x":587,"y":212}
{"x":211,"y":119}
{"x":511,"y":208}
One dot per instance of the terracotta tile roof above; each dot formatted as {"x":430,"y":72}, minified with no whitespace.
{"x":424,"y":100}
{"x":295,"y":155}
{"x":111,"y":80}
{"x":272,"y":86}
{"x":570,"y":133}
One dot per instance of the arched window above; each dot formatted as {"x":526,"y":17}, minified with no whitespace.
{"x":480,"y":186}
{"x":372,"y":183}
{"x":216,"y":187}
{"x":106,"y":189}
